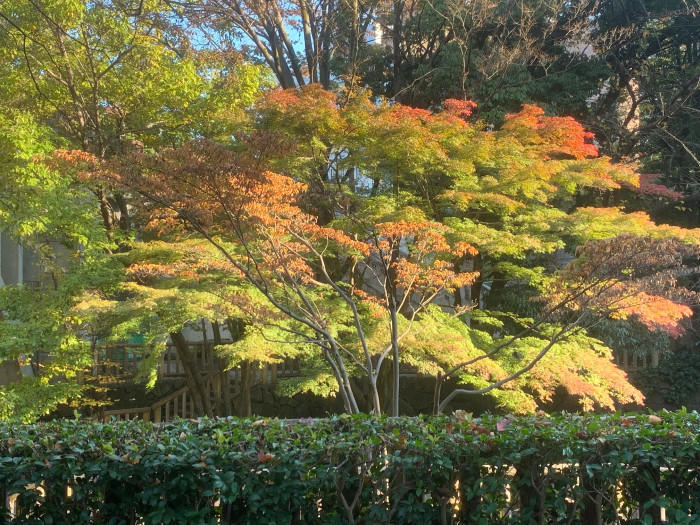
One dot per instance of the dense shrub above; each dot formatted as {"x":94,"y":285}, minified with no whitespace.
{"x":361,"y":469}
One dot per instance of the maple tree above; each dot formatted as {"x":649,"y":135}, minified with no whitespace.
{"x":449,"y":207}
{"x":359,"y":234}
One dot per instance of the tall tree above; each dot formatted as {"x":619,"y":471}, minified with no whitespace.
{"x":499,"y":54}
{"x":298,"y":40}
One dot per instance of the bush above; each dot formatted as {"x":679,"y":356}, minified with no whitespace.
{"x":360,"y":469}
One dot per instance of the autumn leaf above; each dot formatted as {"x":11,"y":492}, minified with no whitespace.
{"x":503,"y":424}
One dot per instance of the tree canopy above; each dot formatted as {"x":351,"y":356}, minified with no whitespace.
{"x":366,"y":217}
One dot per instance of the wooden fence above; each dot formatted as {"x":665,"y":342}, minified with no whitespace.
{"x":630,"y":361}
{"x":124,"y":359}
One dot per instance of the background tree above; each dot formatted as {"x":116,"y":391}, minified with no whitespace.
{"x":105,"y":78}
{"x":297,"y":40}
{"x":49,"y":213}
{"x":501,"y":55}
{"x":648,"y":106}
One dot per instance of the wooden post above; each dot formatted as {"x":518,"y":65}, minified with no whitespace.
{"x":592,"y":512}
{"x":531,"y":492}
{"x":216,"y":379}
{"x":247,"y":408}
{"x":654,"y":358}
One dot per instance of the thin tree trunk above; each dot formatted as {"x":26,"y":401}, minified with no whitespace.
{"x":479,"y":283}
{"x":396,"y":365}
{"x":106,"y":212}
{"x":311,"y":57}
{"x":397,"y":30}
{"x":225,"y":377}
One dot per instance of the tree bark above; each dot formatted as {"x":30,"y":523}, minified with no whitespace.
{"x":225,"y":376}
{"x":200,"y":396}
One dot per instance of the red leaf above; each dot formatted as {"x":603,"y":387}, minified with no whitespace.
{"x":503,"y":424}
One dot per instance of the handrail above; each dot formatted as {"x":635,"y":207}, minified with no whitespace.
{"x":144,"y":412}
{"x":169,"y":397}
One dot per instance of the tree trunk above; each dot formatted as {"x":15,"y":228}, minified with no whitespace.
{"x":246,"y":404}
{"x":396,"y":35}
{"x":479,"y":283}
{"x":225,"y":376}
{"x":396,"y":364}
{"x":200,"y":396}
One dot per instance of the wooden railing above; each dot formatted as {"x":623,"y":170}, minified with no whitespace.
{"x":176,"y":404}
{"x":179,"y":404}
{"x":116,"y":360}
{"x":124,"y":414}
{"x":630,"y":361}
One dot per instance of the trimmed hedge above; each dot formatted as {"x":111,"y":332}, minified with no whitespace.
{"x":360,"y":469}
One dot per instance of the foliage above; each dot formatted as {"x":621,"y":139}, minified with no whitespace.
{"x":357,"y":469}
{"x":647,"y":108}
{"x":500,"y":55}
{"x":111,"y":76}
{"x":105,"y":77}
{"x":41,"y":328}
{"x":336,"y":226}
{"x":38,"y":203}
{"x":50,"y":213}
{"x":675,"y":379}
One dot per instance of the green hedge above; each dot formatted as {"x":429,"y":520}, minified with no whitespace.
{"x":560,"y":469}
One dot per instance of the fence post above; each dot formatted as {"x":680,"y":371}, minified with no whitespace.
{"x":470,"y":481}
